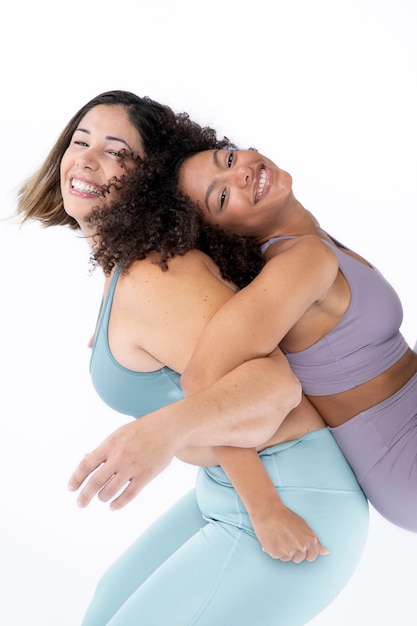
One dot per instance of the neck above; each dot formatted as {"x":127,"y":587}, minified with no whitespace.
{"x":88,"y":234}
{"x":292,"y":221}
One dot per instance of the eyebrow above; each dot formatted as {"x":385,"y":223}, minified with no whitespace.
{"x":210,"y":187}
{"x":107,"y":137}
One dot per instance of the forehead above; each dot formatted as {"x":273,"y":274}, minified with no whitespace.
{"x":195,"y":173}
{"x":111,"y":121}
{"x":201,"y":163}
{"x":193,"y":166}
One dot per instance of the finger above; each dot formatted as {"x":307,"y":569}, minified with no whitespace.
{"x":312,"y":552}
{"x":274,"y":553}
{"x":89,"y":464}
{"x":94,"y":485}
{"x":130,"y":492}
{"x":112,"y":486}
{"x":277,"y":554}
{"x":299,"y":557}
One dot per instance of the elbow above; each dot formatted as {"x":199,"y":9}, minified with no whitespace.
{"x":193,"y":381}
{"x":287,"y":389}
{"x":296,"y":391}
{"x":186,"y":383}
{"x":287,"y":393}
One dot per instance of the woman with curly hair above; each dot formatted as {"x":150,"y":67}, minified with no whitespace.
{"x":339,"y":327}
{"x":201,"y":562}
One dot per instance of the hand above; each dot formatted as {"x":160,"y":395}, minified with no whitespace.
{"x":284,"y":535}
{"x":128,"y":459}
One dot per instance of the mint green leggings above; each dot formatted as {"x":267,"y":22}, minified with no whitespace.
{"x":201,"y":563}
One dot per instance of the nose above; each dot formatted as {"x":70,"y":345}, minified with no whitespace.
{"x":241,"y":175}
{"x":87,"y":160}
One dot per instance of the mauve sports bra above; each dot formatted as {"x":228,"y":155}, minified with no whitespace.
{"x":126,"y":391}
{"x":363,"y":344}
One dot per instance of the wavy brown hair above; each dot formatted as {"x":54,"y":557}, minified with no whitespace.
{"x":39,"y":198}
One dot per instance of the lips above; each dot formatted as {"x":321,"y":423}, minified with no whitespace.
{"x":262,"y":183}
{"x":86,"y":188}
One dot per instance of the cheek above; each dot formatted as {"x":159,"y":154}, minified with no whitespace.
{"x":240,"y":220}
{"x":238,"y":214}
{"x":114,"y":170}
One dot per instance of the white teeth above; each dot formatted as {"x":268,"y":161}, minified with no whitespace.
{"x":80,"y":186}
{"x":261,"y":184}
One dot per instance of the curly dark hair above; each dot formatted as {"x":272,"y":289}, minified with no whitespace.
{"x":150,"y":214}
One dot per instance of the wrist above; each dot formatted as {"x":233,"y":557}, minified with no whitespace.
{"x":265,"y":507}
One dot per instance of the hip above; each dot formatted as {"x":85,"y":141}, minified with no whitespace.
{"x":312,"y":478}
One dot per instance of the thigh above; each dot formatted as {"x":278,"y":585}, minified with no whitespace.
{"x":381,"y":446}
{"x":143,"y":557}
{"x":221,"y":577}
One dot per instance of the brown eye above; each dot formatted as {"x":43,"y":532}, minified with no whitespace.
{"x":222,"y":198}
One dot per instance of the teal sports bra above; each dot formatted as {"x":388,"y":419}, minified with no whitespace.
{"x":126,"y":391}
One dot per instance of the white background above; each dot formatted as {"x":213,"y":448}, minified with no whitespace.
{"x":326,"y":88}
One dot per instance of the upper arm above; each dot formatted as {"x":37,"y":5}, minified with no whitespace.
{"x":257,"y":318}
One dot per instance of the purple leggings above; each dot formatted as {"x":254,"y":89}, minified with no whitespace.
{"x":381,"y":447}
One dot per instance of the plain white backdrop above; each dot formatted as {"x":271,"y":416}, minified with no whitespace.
{"x":327,"y":89}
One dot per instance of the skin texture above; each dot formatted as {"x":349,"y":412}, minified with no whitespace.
{"x":247,"y":193}
{"x":186,"y":296}
{"x":227,"y":183}
{"x":93,"y":158}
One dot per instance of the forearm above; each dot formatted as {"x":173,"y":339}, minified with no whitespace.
{"x":249,"y":477}
{"x":282,"y":389}
{"x":281,"y":532}
{"x":244,"y":408}
{"x":243,"y":465}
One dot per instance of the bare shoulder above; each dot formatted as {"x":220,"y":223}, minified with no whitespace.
{"x":191,"y":269}
{"x":306,"y":253}
{"x":189,"y":281}
{"x":165,"y":312}
{"x":310,"y":244}
{"x":198,"y":263}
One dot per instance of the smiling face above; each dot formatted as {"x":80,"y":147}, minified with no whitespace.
{"x":241,"y":191}
{"x":93,"y":157}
